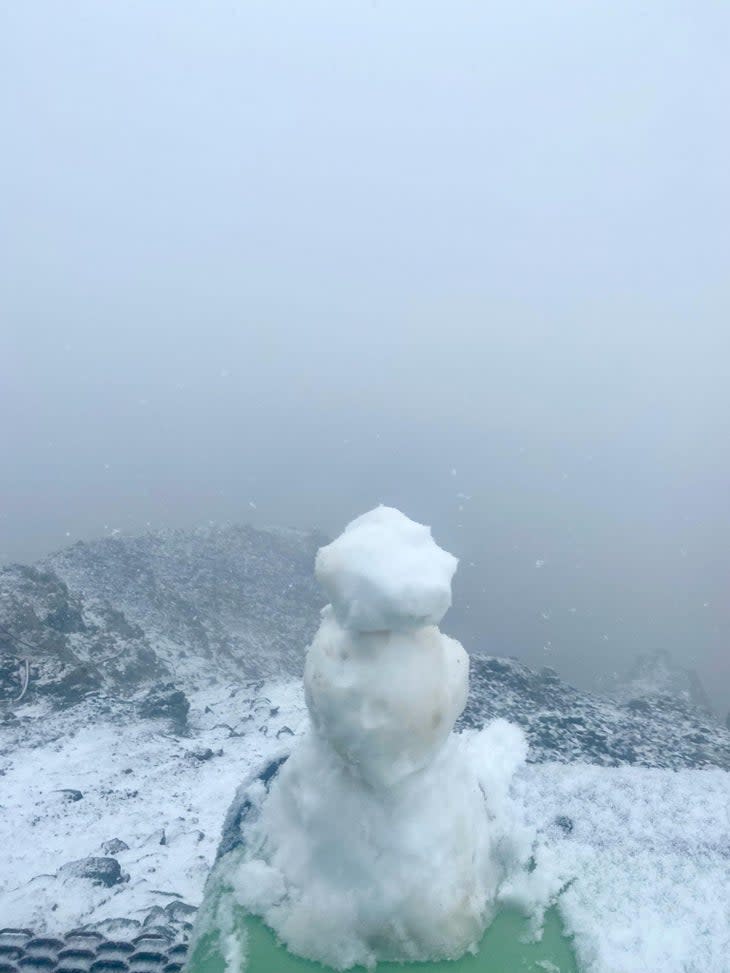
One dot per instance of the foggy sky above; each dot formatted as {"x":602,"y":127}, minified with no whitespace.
{"x":279,"y":261}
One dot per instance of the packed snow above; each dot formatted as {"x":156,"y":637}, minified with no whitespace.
{"x":386,"y":573}
{"x":385,"y":701}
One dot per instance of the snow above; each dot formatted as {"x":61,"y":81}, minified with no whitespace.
{"x":355,"y":874}
{"x":386,"y":573}
{"x":649,"y":857}
{"x":386,"y":701}
{"x":647,"y":851}
{"x":139,"y":783}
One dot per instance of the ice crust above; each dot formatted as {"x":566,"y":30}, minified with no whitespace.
{"x":386,"y":573}
{"x":385,"y":837}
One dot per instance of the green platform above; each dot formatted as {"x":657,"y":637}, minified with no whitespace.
{"x":502,"y":951}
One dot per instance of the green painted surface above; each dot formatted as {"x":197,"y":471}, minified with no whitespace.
{"x":502,"y":951}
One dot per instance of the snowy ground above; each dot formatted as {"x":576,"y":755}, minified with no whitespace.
{"x":648,"y":850}
{"x":164,"y":796}
{"x":649,"y":854}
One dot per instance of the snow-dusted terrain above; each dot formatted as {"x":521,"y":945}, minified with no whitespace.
{"x":73,"y":781}
{"x":630,"y":796}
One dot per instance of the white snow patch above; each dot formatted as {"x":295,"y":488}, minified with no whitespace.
{"x":386,"y":701}
{"x":649,"y":856}
{"x":386,"y":573}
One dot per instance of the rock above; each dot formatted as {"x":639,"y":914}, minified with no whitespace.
{"x":114,"y":846}
{"x":166,"y":702}
{"x":99,"y":871}
{"x":568,"y":725}
{"x":285,"y":731}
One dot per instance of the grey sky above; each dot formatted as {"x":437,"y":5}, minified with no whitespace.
{"x":313,"y":255}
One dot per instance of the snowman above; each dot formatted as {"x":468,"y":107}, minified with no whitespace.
{"x":384,"y":835}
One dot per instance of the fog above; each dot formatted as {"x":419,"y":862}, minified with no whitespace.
{"x":275,"y":262}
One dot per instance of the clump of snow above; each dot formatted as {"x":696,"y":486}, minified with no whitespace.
{"x":386,"y":573}
{"x":385,"y":837}
{"x":385,"y":701}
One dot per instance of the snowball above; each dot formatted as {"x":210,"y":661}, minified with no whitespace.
{"x":385,"y":572}
{"x":386,"y":701}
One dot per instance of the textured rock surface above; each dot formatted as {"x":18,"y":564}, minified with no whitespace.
{"x":565,"y":724}
{"x":122,"y":615}
{"x":213,"y":602}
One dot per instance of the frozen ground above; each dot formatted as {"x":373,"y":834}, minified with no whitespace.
{"x":648,"y":850}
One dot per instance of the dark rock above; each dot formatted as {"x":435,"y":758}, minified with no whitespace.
{"x":99,"y":871}
{"x":285,"y":731}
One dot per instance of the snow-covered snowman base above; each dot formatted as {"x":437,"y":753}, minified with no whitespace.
{"x":384,"y":837}
{"x":243,"y":941}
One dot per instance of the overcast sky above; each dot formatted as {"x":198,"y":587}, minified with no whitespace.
{"x":279,"y":261}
